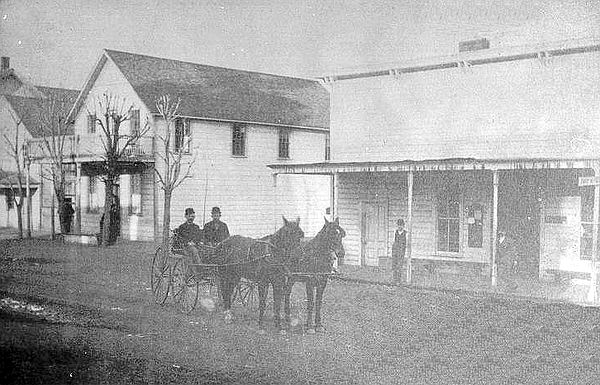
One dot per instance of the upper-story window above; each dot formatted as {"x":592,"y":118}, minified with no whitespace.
{"x":183,"y":135}
{"x":134,"y":123}
{"x":284,"y":143}
{"x":91,"y":124}
{"x":327,"y":148}
{"x":238,"y":140}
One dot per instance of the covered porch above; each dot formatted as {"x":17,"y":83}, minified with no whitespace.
{"x":453,"y":209}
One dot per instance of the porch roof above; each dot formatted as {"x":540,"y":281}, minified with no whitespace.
{"x":454,"y":164}
{"x":10,"y":179}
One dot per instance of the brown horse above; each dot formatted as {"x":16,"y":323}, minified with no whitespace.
{"x":312,"y":263}
{"x":260,"y":260}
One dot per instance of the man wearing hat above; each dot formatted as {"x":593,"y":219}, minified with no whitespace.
{"x":398,"y":250}
{"x":507,"y":260}
{"x":215,"y":231}
{"x":190,"y":234}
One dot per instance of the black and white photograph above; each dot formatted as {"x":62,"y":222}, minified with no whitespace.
{"x":299,"y":192}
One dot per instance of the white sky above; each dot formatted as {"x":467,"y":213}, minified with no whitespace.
{"x":56,"y":42}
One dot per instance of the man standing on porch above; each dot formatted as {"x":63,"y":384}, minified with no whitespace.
{"x":398,"y":250}
{"x":507,"y":260}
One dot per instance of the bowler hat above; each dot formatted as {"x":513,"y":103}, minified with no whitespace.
{"x":189,"y":211}
{"x":216,"y":210}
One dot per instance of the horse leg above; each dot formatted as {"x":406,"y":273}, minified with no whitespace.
{"x":277,"y":295}
{"x":321,"y":284}
{"x":263,"y":291}
{"x":287,"y":293}
{"x":227,"y":286}
{"x":309,"y":306}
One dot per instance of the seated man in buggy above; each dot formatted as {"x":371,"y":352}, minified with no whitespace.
{"x":189,"y":235}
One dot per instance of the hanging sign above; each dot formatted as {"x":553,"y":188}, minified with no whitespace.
{"x":589,"y":181}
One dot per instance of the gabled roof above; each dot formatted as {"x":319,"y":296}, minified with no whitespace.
{"x":12,"y":84}
{"x":29,"y":109}
{"x":218,"y":93}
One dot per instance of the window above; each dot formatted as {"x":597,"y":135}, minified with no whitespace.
{"x":238,"y":140}
{"x":183,"y":136}
{"x":448,"y":213}
{"x":327,"y":148}
{"x":91,"y":126}
{"x":284,"y":143}
{"x":136,"y":194}
{"x":134,"y":123}
{"x":94,"y":197}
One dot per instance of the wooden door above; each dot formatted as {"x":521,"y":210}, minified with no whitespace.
{"x":373,"y":233}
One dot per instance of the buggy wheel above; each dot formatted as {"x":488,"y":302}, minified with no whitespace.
{"x":185,"y":287}
{"x":246,"y":294}
{"x":160,"y":276}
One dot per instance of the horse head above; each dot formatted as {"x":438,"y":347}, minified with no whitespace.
{"x":288,"y":236}
{"x":333,"y":234}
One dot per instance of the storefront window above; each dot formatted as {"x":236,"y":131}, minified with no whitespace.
{"x":449,"y":221}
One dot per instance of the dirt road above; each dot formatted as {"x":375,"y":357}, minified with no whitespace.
{"x":84,"y":315}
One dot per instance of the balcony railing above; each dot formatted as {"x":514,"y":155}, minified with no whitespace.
{"x":91,"y":146}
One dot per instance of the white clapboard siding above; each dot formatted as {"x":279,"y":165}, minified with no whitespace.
{"x":391,"y":190}
{"x":453,"y":113}
{"x":243,"y":187}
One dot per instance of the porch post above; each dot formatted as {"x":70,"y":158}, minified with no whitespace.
{"x":494,"y":267}
{"x":332,"y":207}
{"x":78,"y":198}
{"x":409,"y":232}
{"x":593,"y":291}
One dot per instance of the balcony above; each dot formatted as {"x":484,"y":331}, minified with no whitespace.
{"x":90,"y":148}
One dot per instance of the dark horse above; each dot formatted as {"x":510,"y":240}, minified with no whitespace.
{"x":312,"y":263}
{"x":262,"y":261}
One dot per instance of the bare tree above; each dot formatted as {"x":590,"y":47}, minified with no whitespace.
{"x":111,"y":112}
{"x":172,"y":174}
{"x":56,"y":143}
{"x":15,"y":146}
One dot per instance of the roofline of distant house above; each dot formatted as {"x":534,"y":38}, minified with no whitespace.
{"x":308,"y":128}
{"x":468,"y":59}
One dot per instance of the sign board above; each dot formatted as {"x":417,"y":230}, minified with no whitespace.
{"x":589,"y":181}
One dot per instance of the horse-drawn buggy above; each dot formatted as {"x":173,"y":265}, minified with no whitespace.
{"x":239,"y":268}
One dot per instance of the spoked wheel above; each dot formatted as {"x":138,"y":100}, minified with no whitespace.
{"x":185,"y":287}
{"x":160,"y":276}
{"x":246,"y":294}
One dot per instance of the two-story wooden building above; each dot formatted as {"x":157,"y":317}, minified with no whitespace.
{"x":232,"y":124}
{"x":22,"y":113}
{"x":463,"y":146}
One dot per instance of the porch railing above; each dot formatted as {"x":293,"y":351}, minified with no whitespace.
{"x":91,"y":146}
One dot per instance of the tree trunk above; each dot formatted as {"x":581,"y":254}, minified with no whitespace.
{"x":19,"y":208}
{"x":111,"y":207}
{"x":166,"y":221}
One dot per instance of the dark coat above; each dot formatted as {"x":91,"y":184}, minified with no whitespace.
{"x":215,"y":233}
{"x":507,"y":256}
{"x":399,"y":246}
{"x":190,"y":232}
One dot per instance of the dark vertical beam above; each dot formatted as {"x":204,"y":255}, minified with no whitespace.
{"x":78,"y":198}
